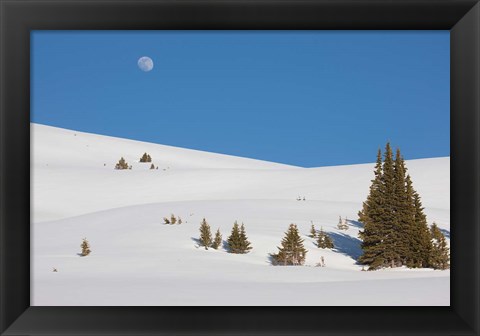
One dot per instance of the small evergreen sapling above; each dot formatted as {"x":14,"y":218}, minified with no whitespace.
{"x":342,"y":223}
{"x":166,"y":220}
{"x":205,"y":234}
{"x":85,"y":248}
{"x":313,"y":232}
{"x":217,"y":241}
{"x":173,"y":220}
{"x":324,"y":240}
{"x":244,"y":243}
{"x":152,"y":166}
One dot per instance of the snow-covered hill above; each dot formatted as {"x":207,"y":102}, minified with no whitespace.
{"x":137,"y":260}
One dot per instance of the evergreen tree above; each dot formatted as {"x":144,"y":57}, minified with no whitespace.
{"x":244,"y":243}
{"x":420,"y":240}
{"x":324,"y":240}
{"x":233,"y":240}
{"x":375,"y":188}
{"x":395,"y":229}
{"x":85,"y":248}
{"x":313,"y":232}
{"x":179,"y":220}
{"x":372,"y":234}
{"x":205,"y":234}
{"x":292,"y":251}
{"x":403,"y":215}
{"x":388,"y":221}
{"x":342,"y":224}
{"x":237,"y":241}
{"x":173,"y":220}
{"x":146,"y":158}
{"x":217,"y":241}
{"x":440,"y":254}
{"x":122,"y":164}
{"x":152,"y":166}
{"x":166,"y":220}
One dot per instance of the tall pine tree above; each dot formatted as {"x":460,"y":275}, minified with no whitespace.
{"x":420,"y":242}
{"x":372,"y":234}
{"x":403,"y":213}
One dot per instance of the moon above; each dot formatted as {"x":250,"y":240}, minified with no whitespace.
{"x":145,"y":63}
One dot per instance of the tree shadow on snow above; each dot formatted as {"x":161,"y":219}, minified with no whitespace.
{"x":446,"y":233}
{"x":354,"y":223}
{"x":346,"y":244}
{"x":196,"y":241}
{"x":225,"y":245}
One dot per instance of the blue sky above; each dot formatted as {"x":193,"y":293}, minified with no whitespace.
{"x":306,"y":98}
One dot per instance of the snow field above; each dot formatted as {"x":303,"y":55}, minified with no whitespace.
{"x":137,"y":260}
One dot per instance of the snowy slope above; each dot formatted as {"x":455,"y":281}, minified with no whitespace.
{"x":136,"y":260}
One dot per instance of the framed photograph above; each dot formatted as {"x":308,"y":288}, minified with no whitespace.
{"x":238,"y":167}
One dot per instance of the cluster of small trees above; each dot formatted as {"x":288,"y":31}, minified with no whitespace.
{"x":395,"y":229}
{"x":206,"y":239}
{"x":172,"y":220}
{"x":237,"y":242}
{"x":122,"y":164}
{"x":322,"y":238}
{"x":146,"y":158}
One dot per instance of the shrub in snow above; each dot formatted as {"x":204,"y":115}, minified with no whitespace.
{"x":146,"y":158}
{"x":205,"y":234}
{"x":179,"y":221}
{"x":292,"y":251}
{"x":324,"y":240}
{"x":85,"y":248}
{"x":321,"y":263}
{"x":122,"y":164}
{"x":166,"y":220}
{"x":217,"y":241}
{"x":152,"y":166}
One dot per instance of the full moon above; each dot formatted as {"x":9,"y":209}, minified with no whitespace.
{"x":145,"y":63}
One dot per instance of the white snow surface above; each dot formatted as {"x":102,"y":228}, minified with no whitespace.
{"x":136,"y":260}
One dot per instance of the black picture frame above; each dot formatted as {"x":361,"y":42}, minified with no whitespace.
{"x":19,"y":17}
